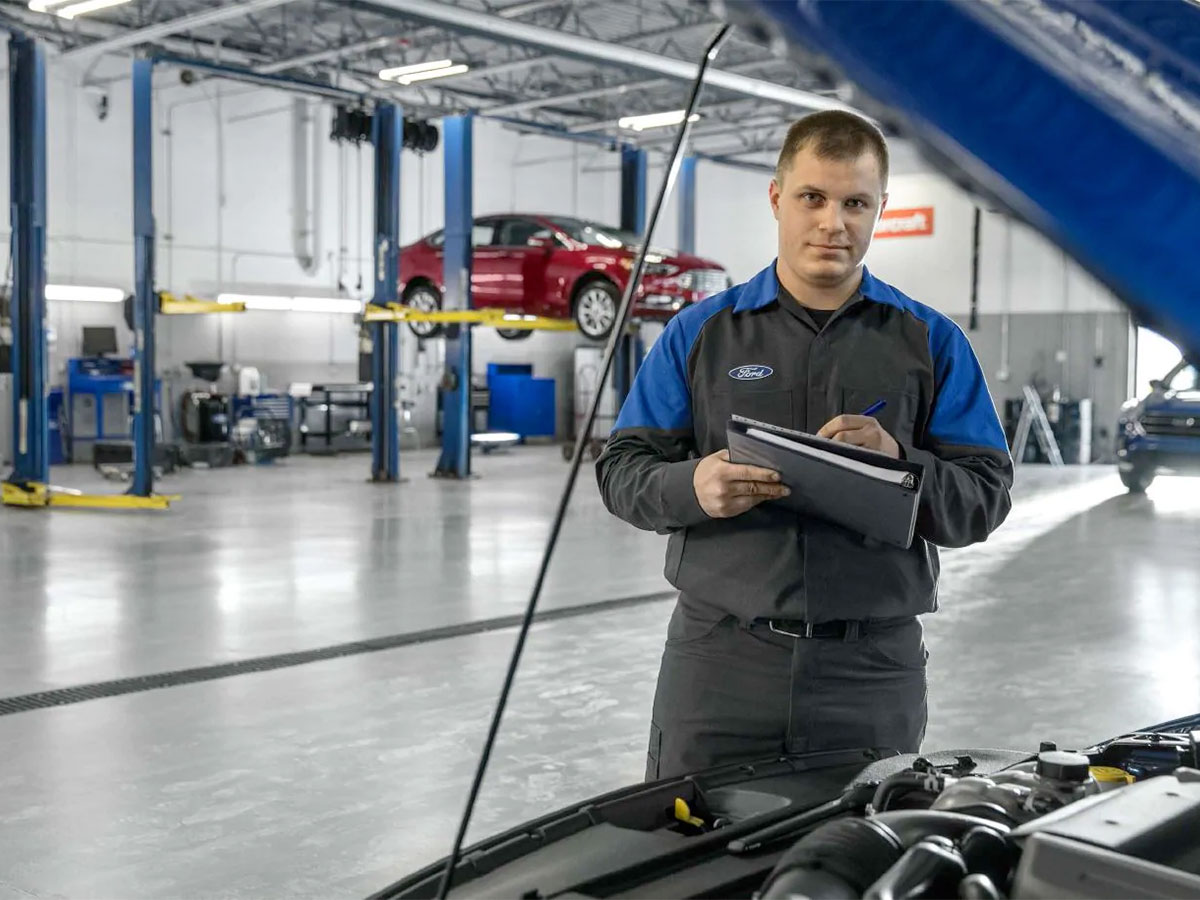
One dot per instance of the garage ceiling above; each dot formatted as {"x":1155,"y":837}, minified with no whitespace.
{"x":532,"y":62}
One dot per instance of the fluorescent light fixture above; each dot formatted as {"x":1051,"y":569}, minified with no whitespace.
{"x":83,"y":294}
{"x":655,"y":120}
{"x":401,"y":71}
{"x":258,"y":301}
{"x":69,"y":9}
{"x":293,"y":304}
{"x":326,"y":305}
{"x":437,"y":73}
{"x":438,"y":68}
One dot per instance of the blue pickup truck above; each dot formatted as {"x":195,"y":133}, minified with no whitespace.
{"x":1161,"y":433}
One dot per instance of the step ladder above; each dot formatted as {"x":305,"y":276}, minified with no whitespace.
{"x":1033,"y":416}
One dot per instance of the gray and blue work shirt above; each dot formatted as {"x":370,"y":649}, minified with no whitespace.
{"x":752,"y":352}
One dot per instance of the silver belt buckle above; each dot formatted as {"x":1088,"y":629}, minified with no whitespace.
{"x":808,"y":630}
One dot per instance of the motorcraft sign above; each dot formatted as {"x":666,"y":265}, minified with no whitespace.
{"x":917,"y":222}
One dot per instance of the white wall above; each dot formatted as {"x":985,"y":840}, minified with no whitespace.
{"x":1028,"y":275}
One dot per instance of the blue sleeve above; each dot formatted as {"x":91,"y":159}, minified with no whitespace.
{"x":963,"y":412}
{"x":647,"y":469}
{"x":968,"y":472}
{"x":660,"y":397}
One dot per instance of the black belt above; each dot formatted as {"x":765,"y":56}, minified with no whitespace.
{"x":835,"y":629}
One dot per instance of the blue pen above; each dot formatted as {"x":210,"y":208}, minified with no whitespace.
{"x":874,"y":407}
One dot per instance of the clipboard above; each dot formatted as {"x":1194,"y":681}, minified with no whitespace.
{"x":862,"y":490}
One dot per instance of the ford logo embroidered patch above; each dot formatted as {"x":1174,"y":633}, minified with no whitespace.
{"x":750,"y":373}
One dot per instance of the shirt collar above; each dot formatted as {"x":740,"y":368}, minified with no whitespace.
{"x":763,"y":289}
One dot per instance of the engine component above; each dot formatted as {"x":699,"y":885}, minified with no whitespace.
{"x":838,"y":860}
{"x":932,"y":867}
{"x":1140,"y":840}
{"x":843,"y":858}
{"x":1020,"y":795}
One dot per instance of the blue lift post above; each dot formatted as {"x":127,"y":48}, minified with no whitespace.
{"x":455,"y":459}
{"x":633,"y":218}
{"x":687,"y":204}
{"x":387,"y":134}
{"x":144,"y":300}
{"x":27,"y":161}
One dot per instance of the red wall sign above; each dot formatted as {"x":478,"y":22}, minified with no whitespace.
{"x":905,"y":223}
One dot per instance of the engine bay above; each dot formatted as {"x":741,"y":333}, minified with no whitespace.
{"x":1117,"y":820}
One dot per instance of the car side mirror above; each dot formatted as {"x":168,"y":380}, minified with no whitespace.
{"x":1158,"y":384}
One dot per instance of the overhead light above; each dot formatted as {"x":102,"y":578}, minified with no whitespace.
{"x":401,"y":71}
{"x":438,"y":68}
{"x":258,"y":301}
{"x":655,"y":120}
{"x":326,"y":305}
{"x":293,"y":304}
{"x":83,"y":294}
{"x":69,"y":9}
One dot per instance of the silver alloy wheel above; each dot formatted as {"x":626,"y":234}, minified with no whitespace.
{"x":596,"y":312}
{"x":423,"y":299}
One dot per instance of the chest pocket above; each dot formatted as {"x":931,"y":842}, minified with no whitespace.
{"x":898,"y":418}
{"x":765,"y":405}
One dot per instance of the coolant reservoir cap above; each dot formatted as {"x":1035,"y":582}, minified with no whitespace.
{"x":1062,"y":766}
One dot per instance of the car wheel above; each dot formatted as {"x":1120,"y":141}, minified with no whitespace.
{"x":424,"y":298}
{"x":1137,"y":480}
{"x":514,"y":334}
{"x":596,"y":309}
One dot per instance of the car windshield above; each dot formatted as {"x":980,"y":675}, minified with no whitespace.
{"x":595,"y":234}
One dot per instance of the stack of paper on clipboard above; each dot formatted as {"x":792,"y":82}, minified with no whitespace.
{"x":862,"y":490}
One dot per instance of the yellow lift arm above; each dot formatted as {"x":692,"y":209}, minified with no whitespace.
{"x":170,"y":305}
{"x":489,"y":318}
{"x":33,"y":494}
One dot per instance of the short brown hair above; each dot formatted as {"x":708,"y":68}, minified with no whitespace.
{"x":834,"y":134}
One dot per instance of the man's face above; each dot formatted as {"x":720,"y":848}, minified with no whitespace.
{"x":827,"y":211}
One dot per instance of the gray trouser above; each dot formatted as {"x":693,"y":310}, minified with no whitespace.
{"x":732,"y":692}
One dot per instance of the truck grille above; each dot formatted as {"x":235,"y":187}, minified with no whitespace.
{"x":1172,"y":424}
{"x":709,"y":281}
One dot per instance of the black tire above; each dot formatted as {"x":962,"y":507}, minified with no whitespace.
{"x":1137,"y":480}
{"x":514,"y":334}
{"x":596,"y":305}
{"x":427,"y":298}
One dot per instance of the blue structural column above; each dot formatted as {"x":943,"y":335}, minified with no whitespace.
{"x":387,"y":134}
{"x":144,"y":300}
{"x":687,"y":205}
{"x":27,"y":161}
{"x":455,"y":460}
{"x":633,"y":218}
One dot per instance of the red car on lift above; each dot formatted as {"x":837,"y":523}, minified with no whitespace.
{"x":556,"y":266}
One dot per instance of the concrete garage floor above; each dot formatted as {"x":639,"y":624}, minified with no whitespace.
{"x":1079,"y":619}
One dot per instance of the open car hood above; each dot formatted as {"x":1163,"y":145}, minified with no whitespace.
{"x":629,"y":841}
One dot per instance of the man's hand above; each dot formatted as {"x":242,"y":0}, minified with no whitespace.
{"x":726,"y":490}
{"x":861,"y":431}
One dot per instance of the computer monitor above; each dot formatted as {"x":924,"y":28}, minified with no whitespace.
{"x":99,"y":340}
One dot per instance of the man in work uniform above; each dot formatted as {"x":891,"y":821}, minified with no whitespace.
{"x":791,"y":634}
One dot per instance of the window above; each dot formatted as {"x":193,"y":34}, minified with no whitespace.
{"x":1155,"y":355}
{"x":517,"y":232}
{"x":482,"y":233}
{"x":1186,"y":378}
{"x":596,"y":235}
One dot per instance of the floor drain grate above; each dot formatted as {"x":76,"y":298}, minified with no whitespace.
{"x":138,"y":683}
